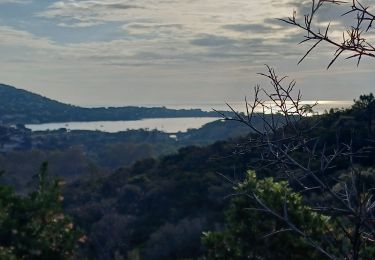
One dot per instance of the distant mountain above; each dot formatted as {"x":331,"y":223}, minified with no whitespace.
{"x":23,"y":107}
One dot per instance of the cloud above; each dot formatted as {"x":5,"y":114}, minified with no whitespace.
{"x":158,"y":44}
{"x":212,"y":41}
{"x":15,"y":1}
{"x":248,"y":27}
{"x":170,"y":32}
{"x":87,"y":13}
{"x":14,"y":37}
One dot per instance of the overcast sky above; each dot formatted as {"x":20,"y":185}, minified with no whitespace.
{"x":126,"y":52}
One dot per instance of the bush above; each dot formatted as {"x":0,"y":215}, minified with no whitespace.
{"x":35,"y":226}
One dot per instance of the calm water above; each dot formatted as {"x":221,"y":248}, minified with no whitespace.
{"x":171,"y":125}
{"x":241,"y":107}
{"x":168,"y":125}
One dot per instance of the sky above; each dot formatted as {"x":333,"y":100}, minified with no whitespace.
{"x":139,"y":52}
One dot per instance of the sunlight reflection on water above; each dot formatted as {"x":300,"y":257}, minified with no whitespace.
{"x":174,"y":125}
{"x":320,"y":108}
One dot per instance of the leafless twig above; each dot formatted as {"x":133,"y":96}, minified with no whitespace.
{"x":291,"y":146}
{"x":354,"y":40}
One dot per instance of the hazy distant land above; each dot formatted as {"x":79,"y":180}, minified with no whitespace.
{"x":39,"y":113}
{"x":22,"y":107}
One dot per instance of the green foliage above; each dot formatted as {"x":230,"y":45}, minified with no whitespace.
{"x":140,"y":210}
{"x":154,"y":202}
{"x":35,"y":226}
{"x":365,"y":109}
{"x":364,"y":101}
{"x":252,"y":233}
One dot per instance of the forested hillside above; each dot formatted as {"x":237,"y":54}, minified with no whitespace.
{"x":75,"y":154}
{"x":159,"y":208}
{"x":19,"y":106}
{"x":283,"y":183}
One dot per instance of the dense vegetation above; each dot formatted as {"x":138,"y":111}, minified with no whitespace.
{"x":75,"y":154}
{"x":144,"y":207}
{"x":251,"y":235}
{"x":177,"y":197}
{"x":159,"y":207}
{"x":303,"y":196}
{"x":35,"y":226}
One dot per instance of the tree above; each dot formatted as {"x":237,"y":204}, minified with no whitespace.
{"x":263,"y":234}
{"x":366,"y":105}
{"x":35,"y":226}
{"x":312,"y":164}
{"x":299,"y":149}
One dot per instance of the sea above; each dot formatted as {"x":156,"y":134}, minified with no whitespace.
{"x":174,"y":125}
{"x":320,"y":107}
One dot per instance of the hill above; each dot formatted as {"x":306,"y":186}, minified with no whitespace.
{"x":158,"y":208}
{"x":19,"y":106}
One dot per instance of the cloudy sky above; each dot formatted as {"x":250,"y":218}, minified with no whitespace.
{"x":122,"y":52}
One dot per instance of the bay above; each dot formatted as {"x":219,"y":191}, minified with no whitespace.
{"x":319,"y":106}
{"x":168,"y":125}
{"x":174,"y":125}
